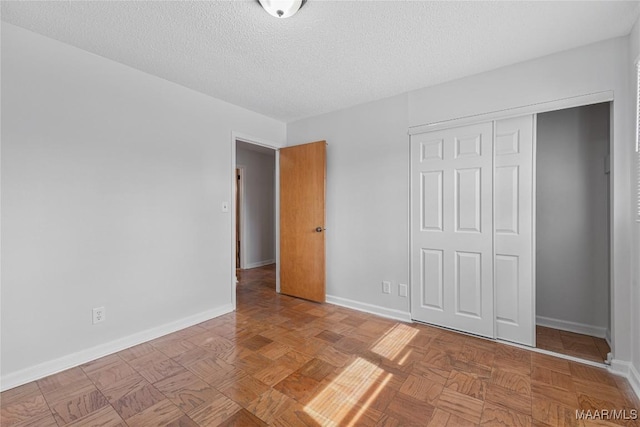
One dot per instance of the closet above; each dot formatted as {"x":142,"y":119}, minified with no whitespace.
{"x":484,"y":197}
{"x":472,"y":230}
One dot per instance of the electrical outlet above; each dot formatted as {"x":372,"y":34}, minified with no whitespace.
{"x":386,"y":287}
{"x":402,"y":290}
{"x":99,"y":315}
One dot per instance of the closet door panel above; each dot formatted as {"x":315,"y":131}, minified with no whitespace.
{"x":507,"y":289}
{"x":513,"y":214}
{"x":431,"y":203}
{"x":507,"y":199}
{"x":451,"y":228}
{"x":432,"y":278}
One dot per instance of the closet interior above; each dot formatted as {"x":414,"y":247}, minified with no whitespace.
{"x":572,"y":232}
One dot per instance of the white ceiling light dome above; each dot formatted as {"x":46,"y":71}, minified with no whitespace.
{"x":282,"y":8}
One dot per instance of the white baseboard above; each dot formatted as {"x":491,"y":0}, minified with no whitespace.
{"x":626,"y":369}
{"x":578,"y":328}
{"x":42,"y":370}
{"x":607,"y":337}
{"x":404,"y":316}
{"x":259,"y":264}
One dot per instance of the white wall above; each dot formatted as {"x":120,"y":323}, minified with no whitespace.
{"x":572,"y":233}
{"x":367,"y":198}
{"x":112,"y":184}
{"x":368,"y":166}
{"x":259,"y":207}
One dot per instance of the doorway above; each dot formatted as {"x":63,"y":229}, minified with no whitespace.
{"x":255,"y":191}
{"x":307,"y":183}
{"x":573,"y":232}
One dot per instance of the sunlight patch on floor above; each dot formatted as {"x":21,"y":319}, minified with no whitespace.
{"x":363,"y":406}
{"x":341,"y":397}
{"x":405,"y":356}
{"x":394,"y":341}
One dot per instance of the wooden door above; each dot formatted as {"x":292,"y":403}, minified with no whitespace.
{"x":302,"y":220}
{"x":452,"y":228}
{"x":513,"y":230}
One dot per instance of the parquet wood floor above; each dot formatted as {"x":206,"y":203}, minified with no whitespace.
{"x":286,"y":362}
{"x":572,"y":344}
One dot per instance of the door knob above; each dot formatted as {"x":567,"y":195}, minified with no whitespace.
{"x":319,"y":229}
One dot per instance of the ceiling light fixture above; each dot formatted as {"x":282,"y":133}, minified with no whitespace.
{"x":282,"y":8}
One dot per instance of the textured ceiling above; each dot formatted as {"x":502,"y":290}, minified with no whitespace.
{"x":331,"y":55}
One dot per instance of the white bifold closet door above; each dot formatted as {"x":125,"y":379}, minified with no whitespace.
{"x":513,"y":230}
{"x":452,"y":228}
{"x":471,"y":229}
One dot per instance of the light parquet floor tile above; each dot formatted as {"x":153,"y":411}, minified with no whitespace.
{"x":572,"y":344}
{"x":282,"y":361}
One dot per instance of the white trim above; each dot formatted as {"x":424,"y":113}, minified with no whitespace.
{"x":534,"y":226}
{"x":627,"y":370}
{"x":560,"y":104}
{"x":277,"y":204}
{"x":611,"y":330}
{"x":637,"y":130}
{"x":578,"y":328}
{"x":607,"y":337}
{"x":620,"y":367}
{"x":83,"y":356}
{"x":259,"y":264}
{"x":241,"y":215}
{"x":410,"y":236}
{"x":494,"y":126}
{"x":234,"y":278}
{"x":256,"y":140}
{"x":389,"y":313}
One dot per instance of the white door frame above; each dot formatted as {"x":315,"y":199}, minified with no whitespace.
{"x":544,"y":107}
{"x":237,"y":136}
{"x":241,"y":216}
